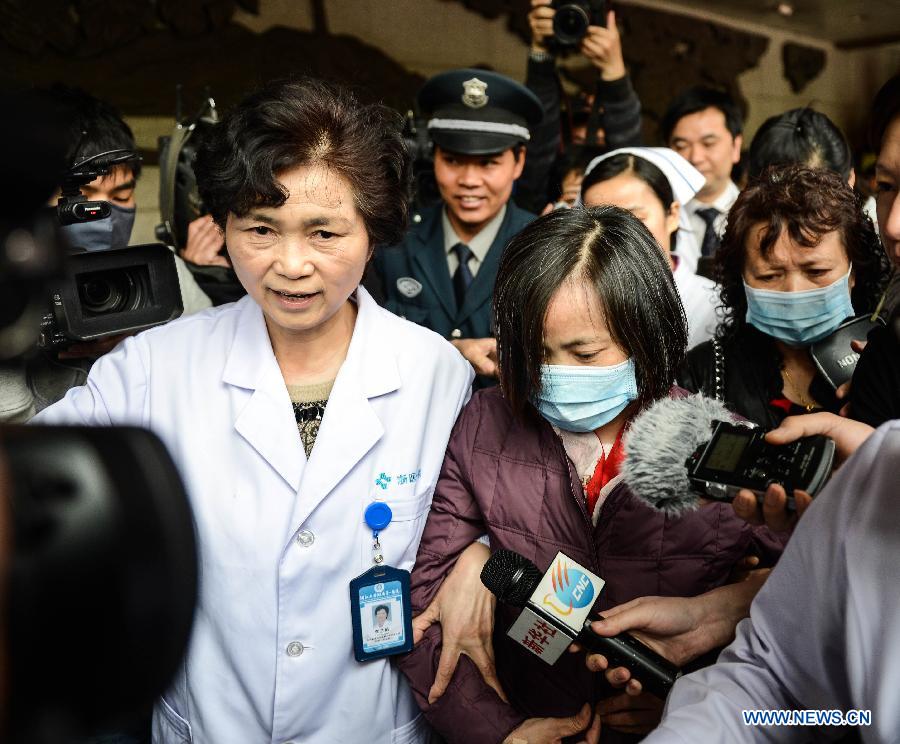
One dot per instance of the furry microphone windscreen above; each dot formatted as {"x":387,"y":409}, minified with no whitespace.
{"x":657,"y":444}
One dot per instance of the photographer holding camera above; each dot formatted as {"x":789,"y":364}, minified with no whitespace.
{"x":93,"y":126}
{"x":589,"y":28}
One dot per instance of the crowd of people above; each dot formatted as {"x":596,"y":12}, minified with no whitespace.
{"x":476,"y":367}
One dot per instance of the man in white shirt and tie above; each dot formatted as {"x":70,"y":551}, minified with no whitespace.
{"x":704,"y":126}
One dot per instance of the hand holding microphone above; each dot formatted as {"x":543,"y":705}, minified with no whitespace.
{"x":555,"y":613}
{"x":671,"y":626}
{"x":680,"y":628}
{"x":774,"y":510}
{"x":680,"y":450}
{"x":847,"y":434}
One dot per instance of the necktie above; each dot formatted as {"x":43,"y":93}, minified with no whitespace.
{"x":710,"y":242}
{"x":462,"y":277}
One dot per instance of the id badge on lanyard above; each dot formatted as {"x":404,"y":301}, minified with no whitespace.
{"x":380,"y":606}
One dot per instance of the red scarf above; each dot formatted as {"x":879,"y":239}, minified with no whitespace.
{"x":607,"y":469}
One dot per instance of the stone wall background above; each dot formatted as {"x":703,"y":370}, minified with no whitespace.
{"x":133,"y":53}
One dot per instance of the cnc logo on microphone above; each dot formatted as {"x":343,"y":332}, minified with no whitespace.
{"x":572,"y":589}
{"x":567,"y":592}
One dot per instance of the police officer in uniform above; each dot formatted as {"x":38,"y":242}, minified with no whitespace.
{"x":442,"y":274}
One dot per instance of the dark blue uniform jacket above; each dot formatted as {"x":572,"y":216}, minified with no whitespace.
{"x":421,"y":256}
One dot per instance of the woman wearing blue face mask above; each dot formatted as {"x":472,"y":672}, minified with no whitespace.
{"x":590,"y":330}
{"x":799,"y":257}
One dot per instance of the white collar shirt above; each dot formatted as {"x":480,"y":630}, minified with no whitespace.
{"x":689,"y":248}
{"x":479,"y":245}
{"x":722,"y":204}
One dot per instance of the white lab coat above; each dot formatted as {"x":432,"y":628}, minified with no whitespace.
{"x":281,"y":537}
{"x":700,"y":299}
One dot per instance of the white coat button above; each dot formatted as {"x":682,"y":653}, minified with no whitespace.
{"x":456,"y":333}
{"x":305,"y":538}
{"x":294,"y":648}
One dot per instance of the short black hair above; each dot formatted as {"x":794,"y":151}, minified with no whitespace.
{"x":700,"y":98}
{"x":616,"y":253}
{"x":92,"y":126}
{"x":885,"y":108}
{"x":290,"y":123}
{"x":640,"y":168}
{"x":574,"y":159}
{"x":387,"y":610}
{"x":800,"y":136}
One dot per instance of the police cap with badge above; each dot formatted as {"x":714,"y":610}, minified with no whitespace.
{"x":477,"y":112}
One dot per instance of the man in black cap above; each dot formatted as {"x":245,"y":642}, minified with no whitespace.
{"x":442,"y":274}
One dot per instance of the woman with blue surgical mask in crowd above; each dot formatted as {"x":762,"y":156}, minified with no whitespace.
{"x":799,"y":257}
{"x":590,"y":331}
{"x":653,"y":183}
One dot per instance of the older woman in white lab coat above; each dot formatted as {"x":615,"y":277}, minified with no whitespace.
{"x":288,"y":412}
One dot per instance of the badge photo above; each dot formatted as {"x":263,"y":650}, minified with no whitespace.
{"x":381,"y":613}
{"x":380,"y":606}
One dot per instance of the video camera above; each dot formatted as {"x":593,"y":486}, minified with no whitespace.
{"x":418,"y":144}
{"x":98,"y":558}
{"x":106,"y":292}
{"x":122,"y":290}
{"x":179,"y":199}
{"x":73,"y":207}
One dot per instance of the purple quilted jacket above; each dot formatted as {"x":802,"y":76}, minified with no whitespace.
{"x":513,"y":481}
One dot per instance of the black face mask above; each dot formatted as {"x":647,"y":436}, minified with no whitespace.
{"x":101,"y":235}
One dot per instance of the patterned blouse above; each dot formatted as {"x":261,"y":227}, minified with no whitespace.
{"x":309,"y":403}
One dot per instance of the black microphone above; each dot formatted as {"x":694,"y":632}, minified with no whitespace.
{"x":555,"y":613}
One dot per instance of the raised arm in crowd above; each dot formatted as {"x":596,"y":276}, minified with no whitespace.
{"x":619,"y":110}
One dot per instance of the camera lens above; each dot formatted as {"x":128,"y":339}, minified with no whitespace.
{"x":99,"y":296}
{"x":110,"y":292}
{"x":570,"y":24}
